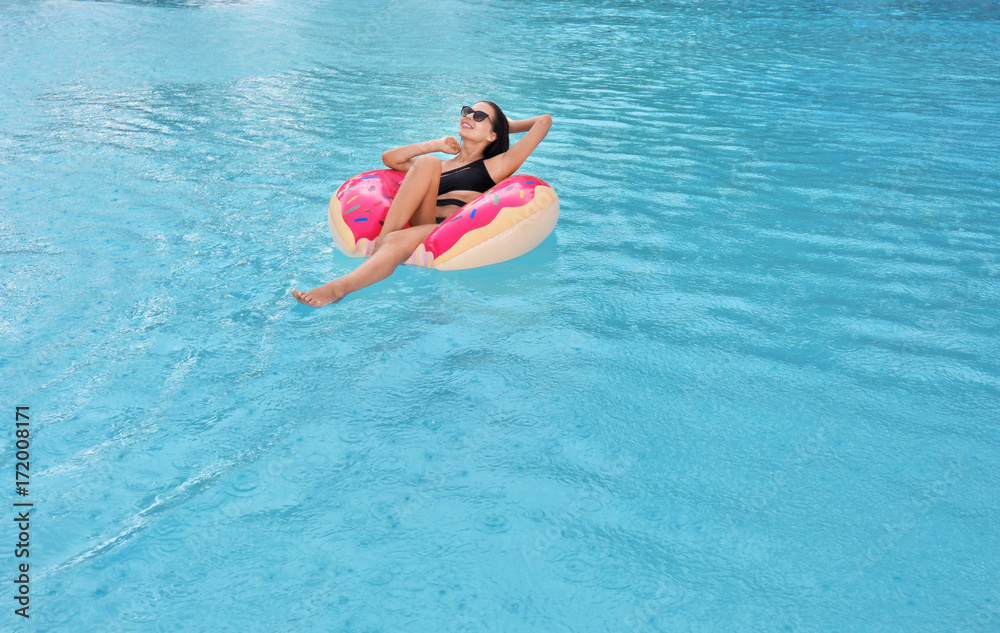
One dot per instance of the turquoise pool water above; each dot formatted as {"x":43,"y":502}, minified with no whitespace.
{"x":750,"y":383}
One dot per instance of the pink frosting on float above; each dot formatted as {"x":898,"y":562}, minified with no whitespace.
{"x":515,"y":191}
{"x":365,"y":199}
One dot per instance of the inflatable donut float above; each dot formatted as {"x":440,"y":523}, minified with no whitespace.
{"x":508,"y":220}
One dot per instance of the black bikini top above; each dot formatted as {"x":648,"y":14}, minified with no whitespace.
{"x":471,"y":177}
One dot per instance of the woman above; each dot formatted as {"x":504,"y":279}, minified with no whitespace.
{"x":483,"y":159}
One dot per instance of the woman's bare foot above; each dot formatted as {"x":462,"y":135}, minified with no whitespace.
{"x":319,"y":297}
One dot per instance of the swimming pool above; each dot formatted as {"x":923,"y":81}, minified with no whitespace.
{"x":750,"y":382}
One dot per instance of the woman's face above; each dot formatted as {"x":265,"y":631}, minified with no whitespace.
{"x":472,"y":130}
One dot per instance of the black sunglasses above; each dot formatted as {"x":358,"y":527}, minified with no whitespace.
{"x":477,"y":115}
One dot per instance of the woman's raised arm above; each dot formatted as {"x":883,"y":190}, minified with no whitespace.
{"x":516,"y":127}
{"x":536,"y":128}
{"x":401,"y":158}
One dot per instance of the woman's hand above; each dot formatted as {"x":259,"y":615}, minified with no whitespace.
{"x":448,"y":145}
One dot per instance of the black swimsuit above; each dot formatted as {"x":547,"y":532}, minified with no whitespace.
{"x":471,"y":177}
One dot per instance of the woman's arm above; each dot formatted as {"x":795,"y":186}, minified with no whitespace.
{"x":511,"y":160}
{"x":401,"y":158}
{"x":516,"y":127}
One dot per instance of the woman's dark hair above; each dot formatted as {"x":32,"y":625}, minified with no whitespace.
{"x":501,"y":128}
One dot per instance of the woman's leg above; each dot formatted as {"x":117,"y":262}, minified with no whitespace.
{"x":416,"y":200}
{"x":395,"y":249}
